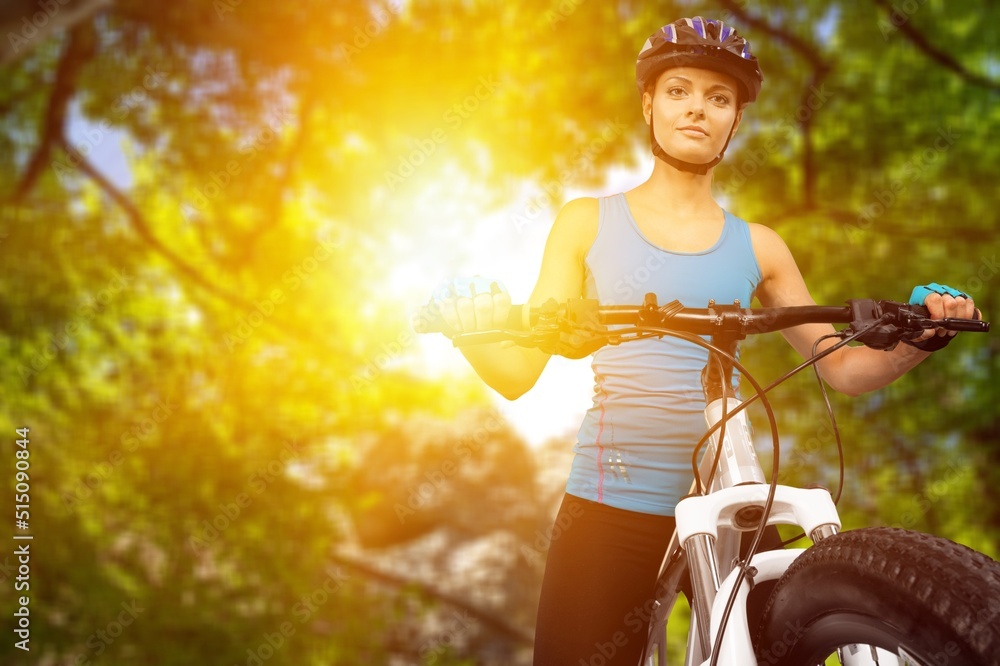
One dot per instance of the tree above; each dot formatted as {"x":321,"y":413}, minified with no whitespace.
{"x":190,"y":337}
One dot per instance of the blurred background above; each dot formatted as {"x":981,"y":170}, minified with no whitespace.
{"x":217,"y":217}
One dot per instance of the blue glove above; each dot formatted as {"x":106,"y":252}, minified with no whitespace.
{"x":467,"y":287}
{"x":921,"y":293}
{"x":918,"y":297}
{"x":431,"y":317}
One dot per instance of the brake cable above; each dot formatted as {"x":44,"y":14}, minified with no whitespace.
{"x":836,"y":434}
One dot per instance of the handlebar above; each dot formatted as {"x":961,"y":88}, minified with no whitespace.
{"x":889,"y":321}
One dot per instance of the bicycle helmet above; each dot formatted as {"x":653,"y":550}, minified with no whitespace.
{"x":705,"y":44}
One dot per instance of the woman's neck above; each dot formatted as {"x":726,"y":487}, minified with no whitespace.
{"x":688,"y":194}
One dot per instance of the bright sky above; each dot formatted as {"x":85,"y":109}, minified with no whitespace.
{"x":506,"y":245}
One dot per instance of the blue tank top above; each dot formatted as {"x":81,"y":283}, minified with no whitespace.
{"x":634,"y":446}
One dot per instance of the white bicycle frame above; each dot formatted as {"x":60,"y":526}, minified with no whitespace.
{"x":706,"y":545}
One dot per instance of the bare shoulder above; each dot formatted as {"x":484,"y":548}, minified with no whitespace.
{"x":771,"y":250}
{"x":781,"y":282}
{"x":765,"y":238}
{"x":562,"y":274}
{"x":576,"y":224}
{"x":581,"y":206}
{"x":582,"y":212}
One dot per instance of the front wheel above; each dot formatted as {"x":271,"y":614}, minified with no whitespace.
{"x":920,"y":600}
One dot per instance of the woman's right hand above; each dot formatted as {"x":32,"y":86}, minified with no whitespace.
{"x":473,"y":304}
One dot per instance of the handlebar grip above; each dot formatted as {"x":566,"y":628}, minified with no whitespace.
{"x":428,"y":319}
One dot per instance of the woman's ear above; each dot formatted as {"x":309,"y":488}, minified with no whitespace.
{"x":647,"y":106}
{"x":736,"y":123}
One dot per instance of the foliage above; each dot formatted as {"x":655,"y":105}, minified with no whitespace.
{"x":216,"y":217}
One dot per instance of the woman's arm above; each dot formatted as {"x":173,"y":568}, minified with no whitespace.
{"x":512,"y":371}
{"x":850,"y":370}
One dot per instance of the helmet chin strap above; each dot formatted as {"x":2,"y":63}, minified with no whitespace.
{"x":691,"y":167}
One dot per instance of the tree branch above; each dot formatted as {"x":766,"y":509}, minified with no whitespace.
{"x":80,"y":48}
{"x":276,"y":203}
{"x":494,"y":622}
{"x":23,"y":32}
{"x":142,"y":228}
{"x":802,"y":47}
{"x":809,"y":171}
{"x":901,"y":21}
{"x":820,"y":70}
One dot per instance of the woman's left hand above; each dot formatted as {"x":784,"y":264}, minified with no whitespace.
{"x":942,"y":302}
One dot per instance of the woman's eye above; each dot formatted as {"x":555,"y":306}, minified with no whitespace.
{"x":676,"y":91}
{"x":721,"y":100}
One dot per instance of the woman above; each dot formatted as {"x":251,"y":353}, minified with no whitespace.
{"x":667,"y":236}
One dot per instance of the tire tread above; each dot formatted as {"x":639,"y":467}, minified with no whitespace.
{"x":949,"y":583}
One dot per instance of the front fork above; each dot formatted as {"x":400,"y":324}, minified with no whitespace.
{"x":701,"y":520}
{"x":709,"y":527}
{"x":704,"y":551}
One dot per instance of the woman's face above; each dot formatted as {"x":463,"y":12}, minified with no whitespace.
{"x":694,"y":111}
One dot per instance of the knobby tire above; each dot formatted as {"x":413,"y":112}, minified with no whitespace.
{"x":937,"y":600}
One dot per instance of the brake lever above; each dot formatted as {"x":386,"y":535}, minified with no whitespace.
{"x":918,"y":315}
{"x":968,"y":325}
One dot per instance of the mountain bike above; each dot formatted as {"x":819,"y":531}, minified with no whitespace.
{"x":859,"y":597}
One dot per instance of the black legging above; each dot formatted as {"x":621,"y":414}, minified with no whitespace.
{"x":597,"y":591}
